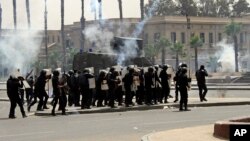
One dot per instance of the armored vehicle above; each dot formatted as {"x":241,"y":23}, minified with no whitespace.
{"x":105,"y":60}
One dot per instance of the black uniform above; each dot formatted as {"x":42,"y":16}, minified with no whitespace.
{"x":56,"y":91}
{"x":128,"y":81}
{"x":101,"y":94}
{"x":149,"y":76}
{"x":13,"y":84}
{"x":74,"y":81}
{"x":85,"y":90}
{"x":141,"y":91}
{"x":29,"y":91}
{"x":183,"y":87}
{"x":156,"y":90}
{"x":201,"y":82}
{"x":165,"y":85}
{"x":40,"y":90}
{"x":113,"y":85}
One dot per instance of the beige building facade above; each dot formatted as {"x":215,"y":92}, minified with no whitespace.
{"x":174,"y":28}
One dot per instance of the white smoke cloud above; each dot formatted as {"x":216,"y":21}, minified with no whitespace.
{"x":102,"y":33}
{"x":131,"y":46}
{"x":19,"y":49}
{"x":226,"y":56}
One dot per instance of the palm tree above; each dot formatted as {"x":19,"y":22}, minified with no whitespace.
{"x":151,"y":52}
{"x":45,"y":32}
{"x":0,"y":20}
{"x":62,"y":34}
{"x":142,"y":9}
{"x":120,"y":9}
{"x":162,"y":44}
{"x":82,"y":27}
{"x":196,"y":42}
{"x":100,"y":13}
{"x":232,"y":30}
{"x":177,"y":49}
{"x":28,"y":12}
{"x":14,"y":14}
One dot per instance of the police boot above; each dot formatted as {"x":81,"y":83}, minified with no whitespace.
{"x":24,"y":115}
{"x":53,"y":113}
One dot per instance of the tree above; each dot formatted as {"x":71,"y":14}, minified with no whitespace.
{"x":62,"y":34}
{"x":164,"y":8}
{"x":188,"y":7}
{"x":120,"y":9}
{"x":0,"y":20}
{"x":151,"y":52}
{"x":82,"y":26}
{"x":241,"y":7}
{"x":46,"y":33}
{"x":28,"y":13}
{"x":232,"y":30}
{"x":223,"y":7}
{"x":207,"y":8}
{"x":142,"y":9}
{"x":196,"y":42}
{"x":177,"y":49}
{"x":14,"y":14}
{"x":162,"y":44}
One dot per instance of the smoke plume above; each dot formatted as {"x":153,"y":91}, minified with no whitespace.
{"x":226,"y":57}
{"x":19,"y":49}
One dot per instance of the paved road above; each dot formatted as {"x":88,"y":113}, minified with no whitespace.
{"x":194,"y":93}
{"x":126,"y":126}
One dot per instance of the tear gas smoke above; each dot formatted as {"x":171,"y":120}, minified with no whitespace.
{"x":19,"y":49}
{"x":101,"y":34}
{"x":226,"y":60}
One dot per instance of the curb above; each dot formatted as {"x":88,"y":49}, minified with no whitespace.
{"x":139,"y":108}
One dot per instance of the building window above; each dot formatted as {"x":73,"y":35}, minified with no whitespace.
{"x":241,"y":38}
{"x":219,"y":37}
{"x":183,"y":39}
{"x":173,"y":37}
{"x":202,"y":37}
{"x":211,"y":38}
{"x":146,"y":39}
{"x":58,"y":39}
{"x":157,"y":37}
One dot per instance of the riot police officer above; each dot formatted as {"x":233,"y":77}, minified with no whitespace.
{"x":13,"y":84}
{"x":183,"y":87}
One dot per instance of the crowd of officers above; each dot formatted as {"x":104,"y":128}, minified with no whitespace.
{"x":150,"y":87}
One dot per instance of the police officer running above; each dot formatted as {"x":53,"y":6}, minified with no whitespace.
{"x":13,"y":84}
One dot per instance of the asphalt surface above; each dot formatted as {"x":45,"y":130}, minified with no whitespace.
{"x":126,"y":126}
{"x":117,"y":126}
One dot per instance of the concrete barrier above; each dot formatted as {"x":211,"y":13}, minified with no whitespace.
{"x":222,"y":128}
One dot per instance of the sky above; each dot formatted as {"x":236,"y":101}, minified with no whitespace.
{"x":131,"y":8}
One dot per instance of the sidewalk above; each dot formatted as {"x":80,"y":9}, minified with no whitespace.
{"x":193,"y":102}
{"x":199,"y":133}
